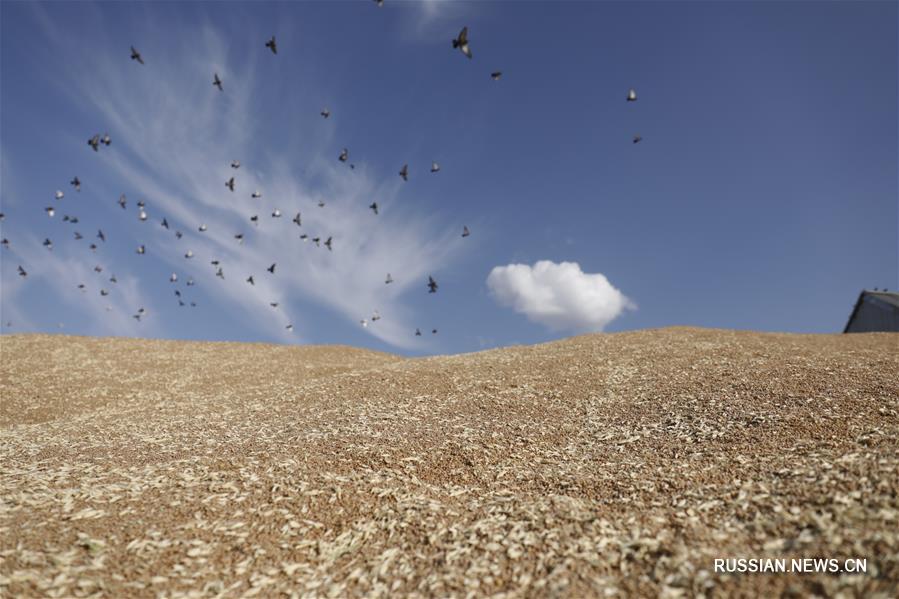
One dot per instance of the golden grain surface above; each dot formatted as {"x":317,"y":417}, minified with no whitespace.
{"x":601,"y":465}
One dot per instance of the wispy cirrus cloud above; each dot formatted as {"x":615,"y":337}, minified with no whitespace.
{"x":174,"y":136}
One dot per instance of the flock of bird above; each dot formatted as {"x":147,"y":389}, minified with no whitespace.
{"x":97,"y":141}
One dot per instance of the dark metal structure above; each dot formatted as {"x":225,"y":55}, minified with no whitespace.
{"x":874,"y":311}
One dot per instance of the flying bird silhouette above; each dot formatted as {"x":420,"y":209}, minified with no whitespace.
{"x":461,"y":42}
{"x":325,"y":113}
{"x":122,"y":201}
{"x":637,"y":139}
{"x":4,"y":242}
{"x":388,"y":280}
{"x":465,"y":231}
{"x":230,"y":183}
{"x":141,"y":250}
{"x":328,"y":244}
{"x":94,"y":142}
{"x":59,"y":194}
{"x":289,"y":327}
{"x":48,"y":244}
{"x":107,"y":141}
{"x":22,"y":272}
{"x":164,"y":223}
{"x":50,"y":211}
{"x":298,"y":220}
{"x":202,"y":228}
{"x":239,"y":237}
{"x":632,"y":95}
{"x":417,"y":333}
{"x":142,"y":216}
{"x":76,"y":183}
{"x":276,"y":213}
{"x":344,"y":156}
{"x":255,"y":219}
{"x":135,"y":55}
{"x":217,"y":82}
{"x":404,"y":172}
{"x":432,"y":285}
{"x":496,"y":75}
{"x":78,"y":236}
{"x":272,"y":45}
{"x":235,"y":164}
{"x":271,"y":268}
{"x":435,"y":167}
{"x":256,"y":194}
{"x":250,"y":280}
{"x":189,"y":254}
{"x":101,"y":236}
{"x":374,"y":208}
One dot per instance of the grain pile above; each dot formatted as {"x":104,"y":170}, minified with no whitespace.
{"x":601,"y":465}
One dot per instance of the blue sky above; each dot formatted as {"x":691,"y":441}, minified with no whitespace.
{"x":762,"y":196}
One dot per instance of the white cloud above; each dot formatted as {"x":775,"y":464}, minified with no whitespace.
{"x":559,"y":296}
{"x":174,"y":136}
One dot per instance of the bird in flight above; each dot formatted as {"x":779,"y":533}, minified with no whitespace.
{"x":107,"y":141}
{"x":632,"y":95}
{"x":165,"y":223}
{"x":50,"y":211}
{"x":374,"y":208}
{"x":289,"y":328}
{"x":388,"y":280}
{"x":276,"y":213}
{"x":256,"y":194}
{"x":272,"y":45}
{"x":328,"y":244}
{"x":22,"y":272}
{"x":637,"y":139}
{"x":495,"y":75}
{"x":435,"y":167}
{"x":417,"y":333}
{"x":59,"y":194}
{"x":298,"y":220}
{"x":76,"y":183}
{"x":48,"y":244}
{"x":321,"y":203}
{"x":461,"y":42}
{"x":230,"y":183}
{"x":250,"y":280}
{"x":135,"y":55}
{"x":189,"y":254}
{"x":101,"y":235}
{"x":271,"y":268}
{"x":173,"y":278}
{"x":122,"y":201}
{"x":255,"y":219}
{"x":78,"y":236}
{"x":432,"y":285}
{"x":344,"y":156}
{"x":325,"y":113}
{"x":94,"y":142}
{"x":202,"y":228}
{"x":404,"y":172}
{"x":465,"y":231}
{"x":239,"y":237}
{"x":217,"y":82}
{"x":141,"y":250}
{"x":4,"y":242}
{"x":142,"y":215}
{"x":235,"y":164}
